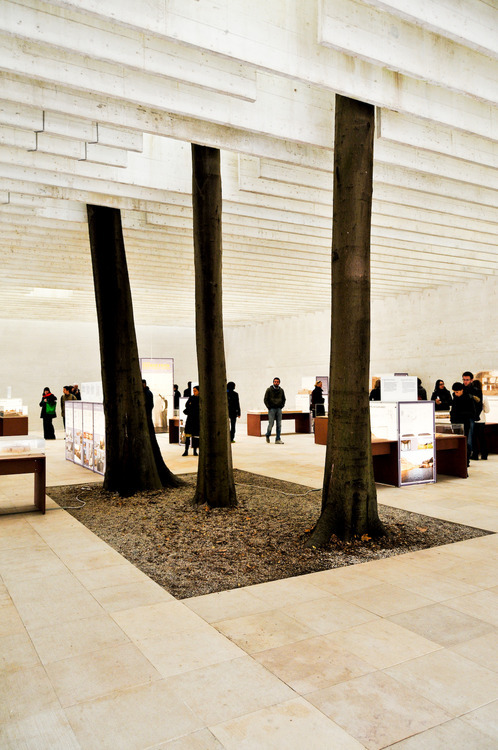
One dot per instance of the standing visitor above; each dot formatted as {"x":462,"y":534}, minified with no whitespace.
{"x":48,"y":403}
{"x":192,"y":424}
{"x":233,"y":408}
{"x":274,"y":402}
{"x":66,"y":396}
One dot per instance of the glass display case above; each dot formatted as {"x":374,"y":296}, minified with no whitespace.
{"x":12,"y":407}
{"x":21,"y":445}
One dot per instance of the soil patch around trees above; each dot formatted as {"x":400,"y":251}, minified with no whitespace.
{"x":191,"y":550}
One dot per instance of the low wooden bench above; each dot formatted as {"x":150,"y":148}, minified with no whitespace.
{"x":32,"y":464}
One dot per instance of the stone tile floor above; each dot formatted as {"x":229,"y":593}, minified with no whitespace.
{"x":395,"y":653}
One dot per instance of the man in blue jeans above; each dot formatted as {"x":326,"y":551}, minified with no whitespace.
{"x":274,"y":402}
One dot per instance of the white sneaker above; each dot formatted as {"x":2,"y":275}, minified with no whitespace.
{"x":279,"y":442}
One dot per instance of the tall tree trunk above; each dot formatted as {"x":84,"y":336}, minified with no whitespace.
{"x":349,"y":499}
{"x":133,"y":462}
{"x":215,"y":483}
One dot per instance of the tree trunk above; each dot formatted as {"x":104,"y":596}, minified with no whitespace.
{"x":215,"y":483}
{"x":133,"y":462}
{"x":349,"y":499}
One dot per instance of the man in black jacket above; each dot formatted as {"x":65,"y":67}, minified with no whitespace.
{"x":476,"y":396}
{"x":274,"y":402}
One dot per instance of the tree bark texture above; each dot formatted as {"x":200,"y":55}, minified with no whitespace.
{"x":133,"y":462}
{"x":349,"y":499}
{"x":215,"y":483}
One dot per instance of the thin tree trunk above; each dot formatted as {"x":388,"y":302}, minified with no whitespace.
{"x":133,"y":463}
{"x":349,"y":499}
{"x":215,"y":483}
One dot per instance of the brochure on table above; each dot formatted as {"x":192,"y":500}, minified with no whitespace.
{"x":416,"y":442}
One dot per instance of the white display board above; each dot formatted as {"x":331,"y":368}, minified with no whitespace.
{"x":85,"y":435}
{"x":417,"y":443}
{"x":92,"y":392}
{"x":384,"y":420}
{"x":398,"y":388}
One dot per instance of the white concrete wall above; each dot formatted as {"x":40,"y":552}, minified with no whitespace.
{"x":437,"y":334}
{"x":36,"y":354}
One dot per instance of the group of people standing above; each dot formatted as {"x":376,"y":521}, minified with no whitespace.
{"x":469,"y":407}
{"x":192,"y":423}
{"x":48,"y":405}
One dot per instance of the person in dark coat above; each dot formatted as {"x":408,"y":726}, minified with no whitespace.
{"x":441,"y":396}
{"x":48,"y":413}
{"x":274,"y":402}
{"x":76,"y":392}
{"x":192,"y":424}
{"x":233,"y":408}
{"x":317,"y":400}
{"x":462,"y":412}
{"x":149,"y":399}
{"x":188,"y":390}
{"x":176,"y":397}
{"x":67,"y":395}
{"x":421,"y":392}
{"x":375,"y":392}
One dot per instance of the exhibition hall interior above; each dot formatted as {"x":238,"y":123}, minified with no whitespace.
{"x":99,"y":105}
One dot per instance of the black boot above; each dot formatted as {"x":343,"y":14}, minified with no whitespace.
{"x":187,"y":446}
{"x":195,"y":445}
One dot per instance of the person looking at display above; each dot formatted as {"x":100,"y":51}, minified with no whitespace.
{"x":149,"y":400}
{"x":76,"y":392}
{"x":317,"y":400}
{"x":421,"y":392}
{"x":441,"y":396}
{"x":375,"y":392}
{"x":479,"y":442}
{"x":48,"y":413}
{"x":476,"y":397}
{"x":462,"y":412}
{"x":274,"y":402}
{"x":192,"y":424}
{"x":66,"y":396}
{"x":233,"y":408}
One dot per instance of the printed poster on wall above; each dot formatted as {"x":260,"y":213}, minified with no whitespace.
{"x":98,"y":439}
{"x":78,"y":432}
{"x":417,"y":446}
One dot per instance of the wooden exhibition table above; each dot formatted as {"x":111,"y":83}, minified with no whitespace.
{"x":301,"y":418}
{"x":33,"y":464}
{"x":451,"y":454}
{"x":13,"y":425}
{"x":491,"y":433}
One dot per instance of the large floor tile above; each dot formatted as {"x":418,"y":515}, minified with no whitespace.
{"x":230,"y":689}
{"x":17,"y":652}
{"x":10,"y":622}
{"x":485,"y":720}
{"x":91,"y":675}
{"x":224,"y":605}
{"x":382,"y":643}
{"x":263,"y":631}
{"x":28,"y":563}
{"x":328,"y":614}
{"x":286,"y":591}
{"x":111,"y":575}
{"x":293,"y":725}
{"x":142,"y":717}
{"x":129,"y":595}
{"x":188,"y":650}
{"x":483,"y":650}
{"x":312,"y":664}
{"x":454,"y":734}
{"x":202,"y":740}
{"x":377,"y":710}
{"x":158,"y":620}
{"x":47,"y":730}
{"x":385,"y":599}
{"x":57,"y":598}
{"x":63,"y":640}
{"x":481,"y":604}
{"x":442,"y":624}
{"x":24,"y":692}
{"x":456,"y":684}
